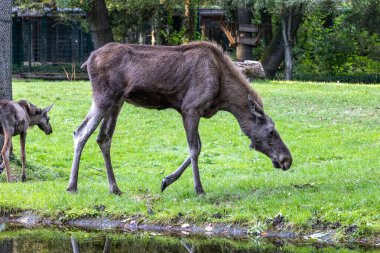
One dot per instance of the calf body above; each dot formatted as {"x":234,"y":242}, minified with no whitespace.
{"x":15,"y":119}
{"x":197,"y":80}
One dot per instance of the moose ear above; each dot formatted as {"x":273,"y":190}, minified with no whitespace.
{"x":30,"y":109}
{"x":47,"y":109}
{"x":255,"y":109}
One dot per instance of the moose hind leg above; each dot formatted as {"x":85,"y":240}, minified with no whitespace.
{"x":81,"y":136}
{"x":104,"y":140}
{"x":5,"y":154}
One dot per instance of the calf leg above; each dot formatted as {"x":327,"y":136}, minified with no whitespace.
{"x":104,"y":140}
{"x":5,"y":153}
{"x":22,"y":147}
{"x":2,"y":165}
{"x":81,"y":136}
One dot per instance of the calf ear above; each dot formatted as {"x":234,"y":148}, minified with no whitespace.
{"x":255,"y":109}
{"x":31,"y":110}
{"x":47,"y":109}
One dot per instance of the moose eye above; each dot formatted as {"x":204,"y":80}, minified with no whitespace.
{"x":271,"y":134}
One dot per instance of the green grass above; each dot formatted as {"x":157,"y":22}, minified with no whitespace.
{"x":332,"y":130}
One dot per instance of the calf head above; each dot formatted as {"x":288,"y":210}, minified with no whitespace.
{"x":265,"y":138}
{"x":38,"y":116}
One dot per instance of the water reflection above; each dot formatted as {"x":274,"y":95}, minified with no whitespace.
{"x":55,"y":240}
{"x":75,"y":245}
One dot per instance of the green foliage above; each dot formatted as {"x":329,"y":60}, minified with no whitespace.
{"x":338,"y":49}
{"x":364,"y":14}
{"x":38,"y":5}
{"x":176,"y":38}
{"x":331,"y":130}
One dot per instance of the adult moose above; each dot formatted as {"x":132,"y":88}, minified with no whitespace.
{"x":197,"y":80}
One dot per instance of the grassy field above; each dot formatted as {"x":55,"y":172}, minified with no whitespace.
{"x":332,"y":130}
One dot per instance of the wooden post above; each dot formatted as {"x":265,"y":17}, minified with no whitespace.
{"x":243,"y":51}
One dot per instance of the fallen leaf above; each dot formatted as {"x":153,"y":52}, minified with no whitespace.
{"x":185,"y":225}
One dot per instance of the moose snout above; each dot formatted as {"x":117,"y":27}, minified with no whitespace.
{"x":284,"y":162}
{"x":48,"y":131}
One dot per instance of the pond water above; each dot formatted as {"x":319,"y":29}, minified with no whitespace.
{"x":20,"y":240}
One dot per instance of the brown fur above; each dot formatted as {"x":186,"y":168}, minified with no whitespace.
{"x":15,"y":119}
{"x":197,"y":80}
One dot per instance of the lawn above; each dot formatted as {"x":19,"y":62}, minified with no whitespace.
{"x":332,"y":130}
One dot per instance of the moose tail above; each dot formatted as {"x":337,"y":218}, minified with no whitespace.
{"x":84,"y":65}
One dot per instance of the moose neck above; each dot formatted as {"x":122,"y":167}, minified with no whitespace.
{"x":33,"y":120}
{"x":244,"y":118}
{"x":236,"y":97}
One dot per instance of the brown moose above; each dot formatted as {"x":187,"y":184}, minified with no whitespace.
{"x":197,"y":80}
{"x":16,"y":118}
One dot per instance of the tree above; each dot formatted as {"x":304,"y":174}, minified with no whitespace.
{"x":286,"y":17}
{"x":189,"y":19}
{"x":288,"y":13}
{"x":5,"y":51}
{"x":100,"y":25}
{"x":289,"y":18}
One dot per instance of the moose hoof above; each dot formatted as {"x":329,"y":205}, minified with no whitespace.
{"x":115,"y":190}
{"x":72,"y":189}
{"x":200,"y":191}
{"x":166,"y":182}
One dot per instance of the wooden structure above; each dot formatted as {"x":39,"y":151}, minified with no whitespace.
{"x":213,"y":22}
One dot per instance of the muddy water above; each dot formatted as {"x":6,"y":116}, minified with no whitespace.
{"x":14,"y":239}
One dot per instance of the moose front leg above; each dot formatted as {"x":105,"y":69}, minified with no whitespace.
{"x":22,"y":147}
{"x":191,"y":123}
{"x":168,"y":180}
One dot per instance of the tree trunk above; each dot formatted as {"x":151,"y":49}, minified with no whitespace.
{"x":286,"y":22}
{"x":244,"y":52}
{"x":266,"y":22}
{"x":5,"y":52}
{"x":98,"y":19}
{"x":189,"y":19}
{"x":274,"y":54}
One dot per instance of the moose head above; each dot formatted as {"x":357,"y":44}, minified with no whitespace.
{"x":38,"y":116}
{"x":265,"y":138}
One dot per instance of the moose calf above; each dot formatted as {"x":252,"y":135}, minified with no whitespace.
{"x":16,"y":118}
